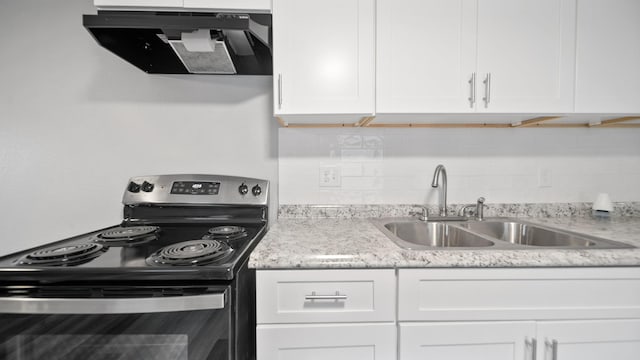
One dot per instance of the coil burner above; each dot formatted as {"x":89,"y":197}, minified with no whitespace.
{"x":69,"y":255}
{"x":226,"y":233}
{"x":127,"y":236}
{"x":190,"y":253}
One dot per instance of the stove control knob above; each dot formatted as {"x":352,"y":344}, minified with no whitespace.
{"x":147,"y":187}
{"x":243,"y":189}
{"x":133,"y":187}
{"x":256,"y":190}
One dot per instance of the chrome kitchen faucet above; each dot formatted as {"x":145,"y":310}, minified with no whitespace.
{"x":441,"y":172}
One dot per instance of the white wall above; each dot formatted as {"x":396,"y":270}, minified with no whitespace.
{"x":395,"y":166}
{"x":76,"y":122}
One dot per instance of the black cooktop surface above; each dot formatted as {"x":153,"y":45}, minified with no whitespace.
{"x":207,"y":251}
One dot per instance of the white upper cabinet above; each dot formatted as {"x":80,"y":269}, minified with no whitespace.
{"x":259,"y":5}
{"x":229,"y":4}
{"x":526,"y":54}
{"x":496,"y":56}
{"x":608,"y":56}
{"x":139,"y":3}
{"x":426,"y":52}
{"x":323,"y":56}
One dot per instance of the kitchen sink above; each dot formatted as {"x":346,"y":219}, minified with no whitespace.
{"x":419,"y":234}
{"x":528,"y":234}
{"x":493,"y":233}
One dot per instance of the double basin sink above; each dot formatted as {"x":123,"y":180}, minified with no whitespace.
{"x":491,"y":233}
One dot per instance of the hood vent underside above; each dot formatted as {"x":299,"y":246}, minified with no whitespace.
{"x":186,"y":42}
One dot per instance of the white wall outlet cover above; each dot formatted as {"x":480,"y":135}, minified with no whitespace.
{"x":330,"y":176}
{"x":544,"y":177}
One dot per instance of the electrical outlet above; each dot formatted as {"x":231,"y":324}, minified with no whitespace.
{"x":330,"y":176}
{"x":544,"y":177}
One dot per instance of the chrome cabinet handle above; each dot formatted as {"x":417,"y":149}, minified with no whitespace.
{"x":472,"y":90}
{"x":532,"y":345}
{"x":487,"y":90}
{"x":336,"y":296}
{"x":279,"y":91}
{"x":553,"y":346}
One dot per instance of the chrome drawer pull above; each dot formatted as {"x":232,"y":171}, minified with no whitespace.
{"x":487,"y":90}
{"x":279,"y":91}
{"x":532,"y":345}
{"x":553,"y":345}
{"x":337,"y":296}
{"x":472,"y":90}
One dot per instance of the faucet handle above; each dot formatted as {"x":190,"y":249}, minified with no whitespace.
{"x":422,"y":215}
{"x":475,"y":210}
{"x":467,"y":210}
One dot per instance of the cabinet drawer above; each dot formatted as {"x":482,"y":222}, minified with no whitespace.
{"x":516,"y":294}
{"x":314,"y":296}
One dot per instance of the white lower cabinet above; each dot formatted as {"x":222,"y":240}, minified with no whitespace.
{"x":326,"y":314}
{"x":543,"y":340}
{"x":449,"y":314}
{"x":589,"y":339}
{"x":467,"y":340}
{"x":327,"y":341}
{"x":531,"y":314}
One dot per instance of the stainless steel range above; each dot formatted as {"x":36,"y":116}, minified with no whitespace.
{"x":170,"y":282}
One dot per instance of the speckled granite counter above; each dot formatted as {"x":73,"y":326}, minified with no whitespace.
{"x":357,"y":243}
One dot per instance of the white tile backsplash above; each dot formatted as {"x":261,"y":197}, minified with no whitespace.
{"x":395,"y":166}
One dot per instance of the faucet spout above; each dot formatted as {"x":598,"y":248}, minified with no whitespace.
{"x":441,"y":172}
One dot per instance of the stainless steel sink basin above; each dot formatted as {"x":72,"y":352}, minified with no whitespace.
{"x":425,"y":235}
{"x":527,"y":234}
{"x":493,"y":233}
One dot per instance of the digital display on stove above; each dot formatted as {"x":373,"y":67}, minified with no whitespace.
{"x":195,"y":188}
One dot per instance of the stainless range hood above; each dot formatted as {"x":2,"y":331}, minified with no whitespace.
{"x":186,"y":42}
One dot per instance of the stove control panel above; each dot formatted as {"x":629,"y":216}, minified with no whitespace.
{"x":196,"y":189}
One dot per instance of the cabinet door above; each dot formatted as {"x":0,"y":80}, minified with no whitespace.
{"x":589,"y":340}
{"x":321,"y":342}
{"x":323,"y":56}
{"x":608,"y":56}
{"x":467,"y":341}
{"x":138,"y":3}
{"x":526,"y":54}
{"x":426,"y":55}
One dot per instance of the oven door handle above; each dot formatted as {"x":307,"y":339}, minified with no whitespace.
{"x":112,"y":305}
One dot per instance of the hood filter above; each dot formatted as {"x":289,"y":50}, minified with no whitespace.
{"x":216,"y":61}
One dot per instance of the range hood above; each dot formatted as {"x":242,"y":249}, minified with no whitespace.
{"x":186,"y":42}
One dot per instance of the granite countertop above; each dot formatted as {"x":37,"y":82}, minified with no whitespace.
{"x":357,"y":243}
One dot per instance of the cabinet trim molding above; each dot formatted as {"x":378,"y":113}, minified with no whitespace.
{"x":555,"y":121}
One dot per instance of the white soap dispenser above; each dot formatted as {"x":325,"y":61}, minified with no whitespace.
{"x":602,"y":207}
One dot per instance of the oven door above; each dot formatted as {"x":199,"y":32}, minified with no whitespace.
{"x":193,"y":327}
